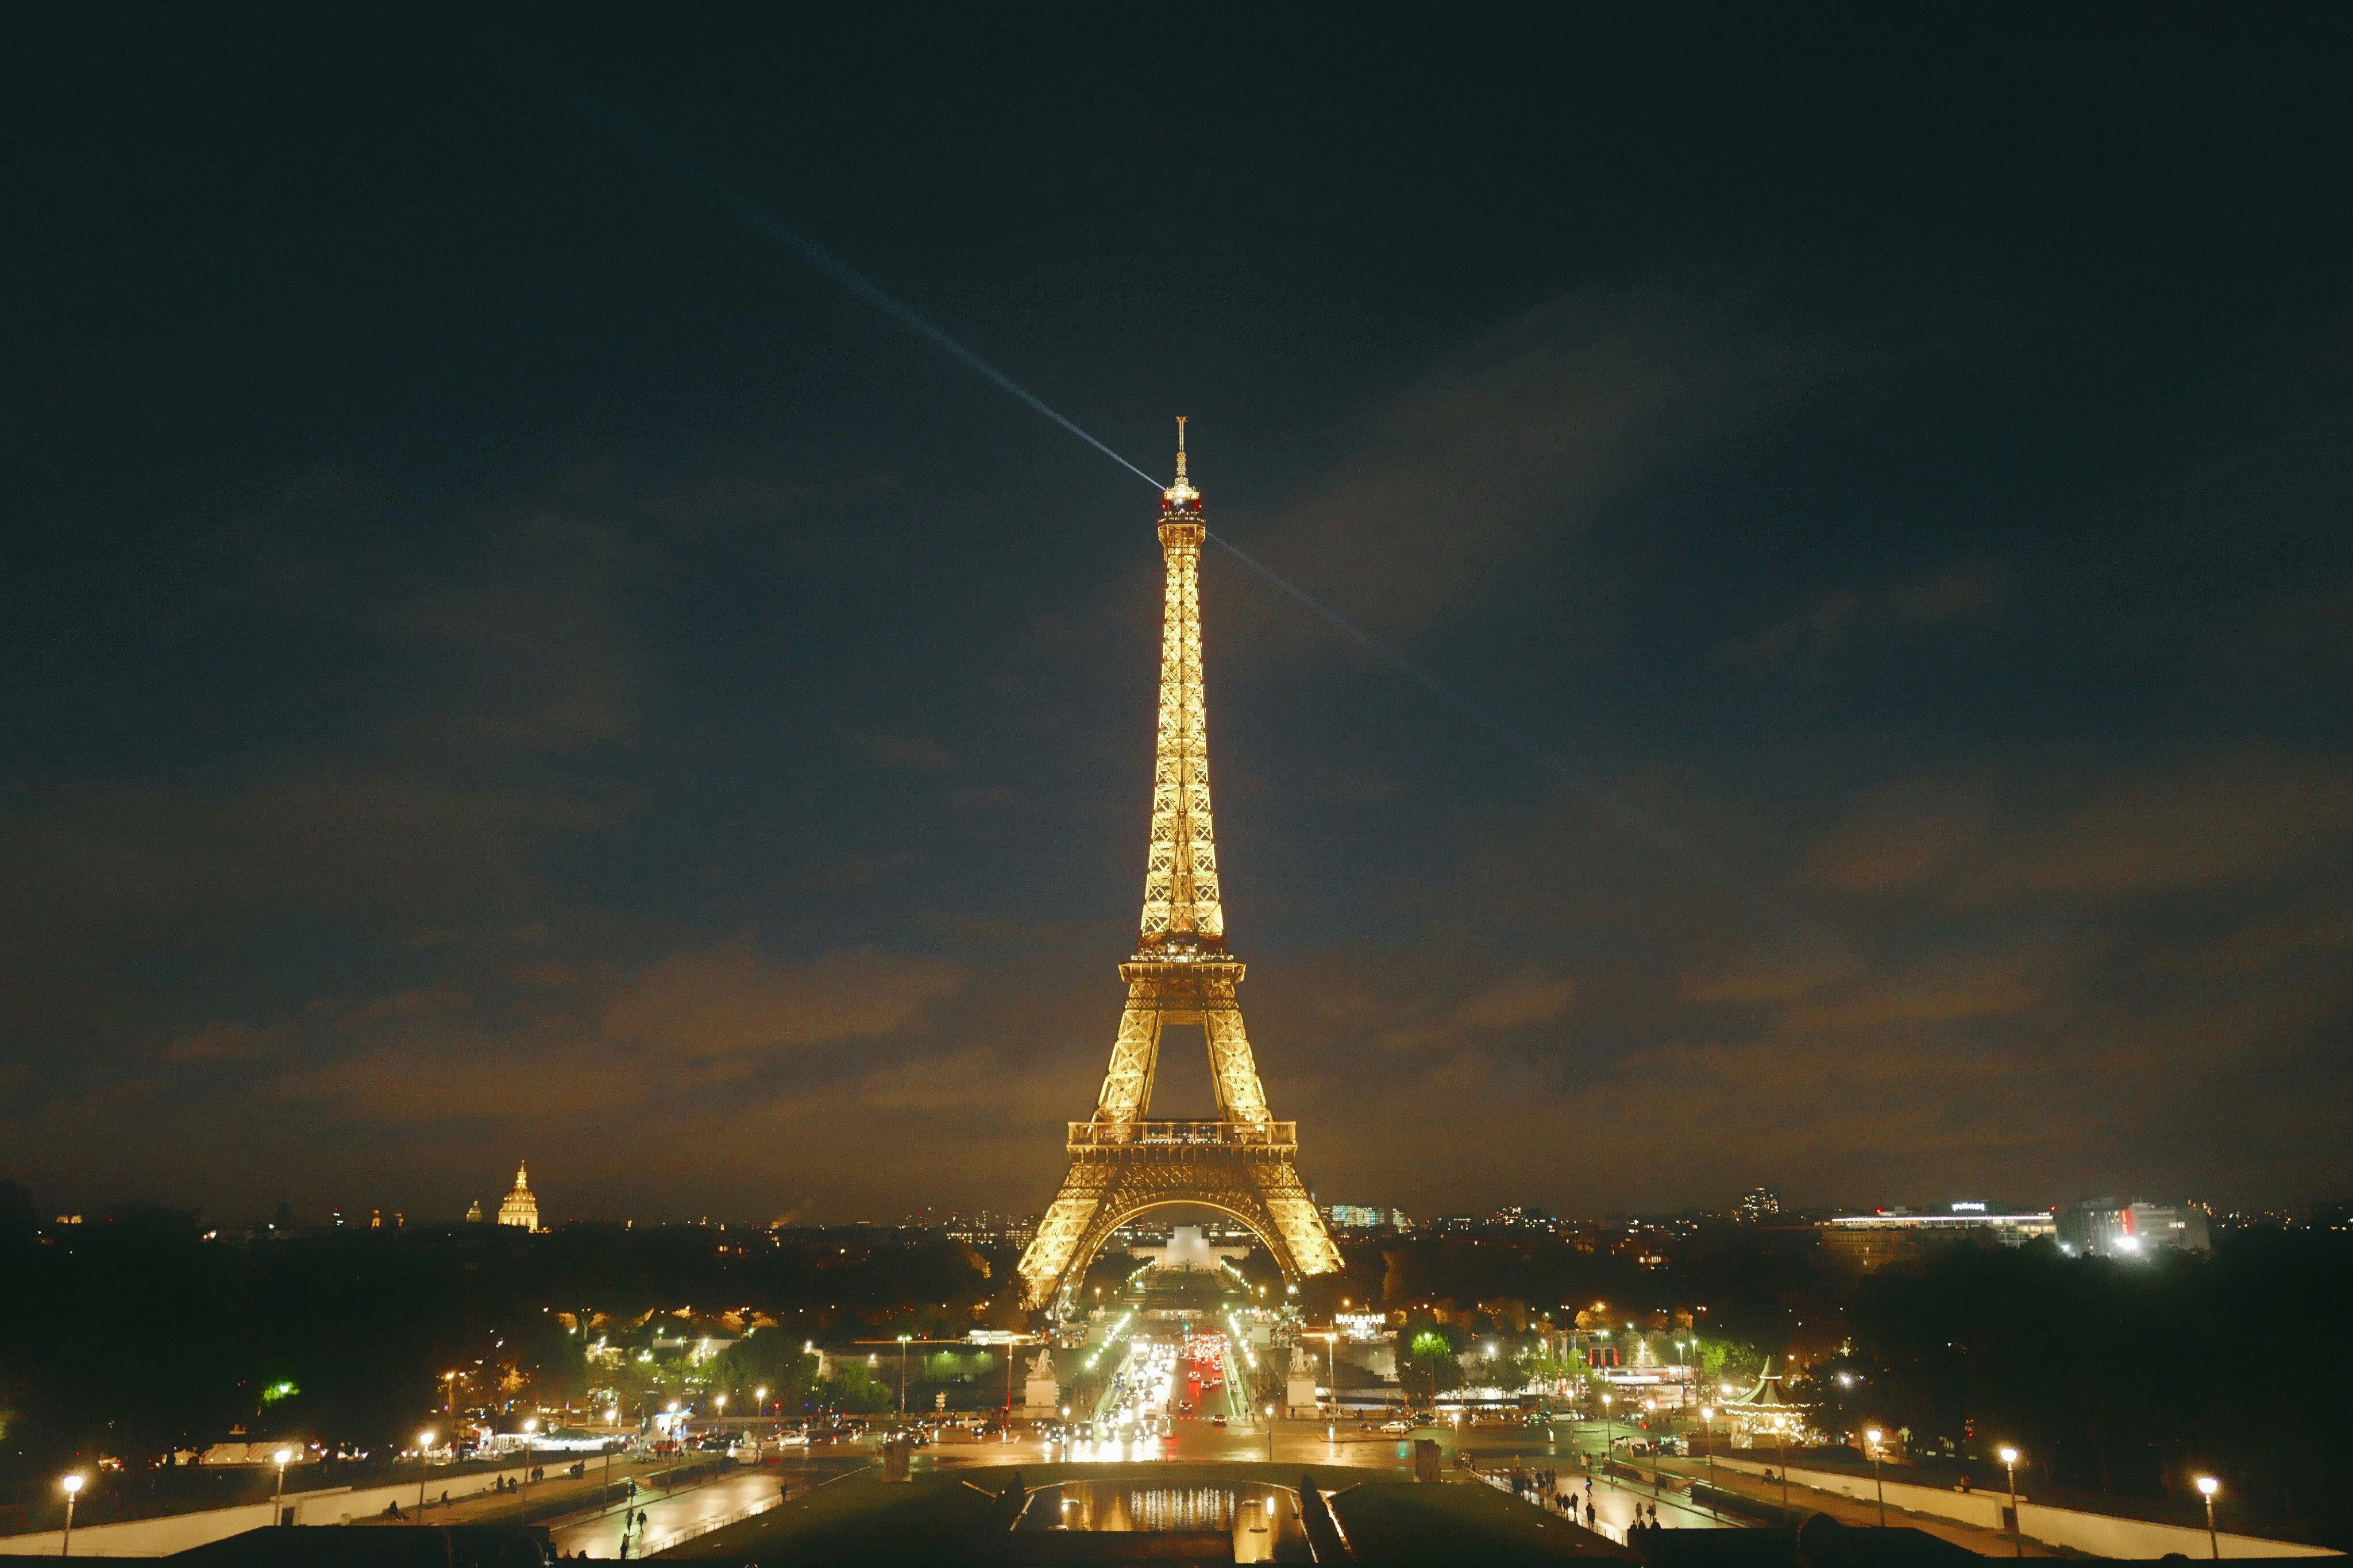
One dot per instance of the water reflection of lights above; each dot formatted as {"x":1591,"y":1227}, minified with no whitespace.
{"x":1112,"y":1449}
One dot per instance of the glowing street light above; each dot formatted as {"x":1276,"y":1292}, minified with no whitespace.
{"x":423,"y":1462}
{"x":1871,"y":1436}
{"x":2018,"y":1533}
{"x":1707,"y":1419}
{"x":278,"y":1508}
{"x":902,"y":1376}
{"x":73,"y":1488}
{"x":2207,"y":1486}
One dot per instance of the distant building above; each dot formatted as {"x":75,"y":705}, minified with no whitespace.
{"x":1759,"y":1204}
{"x":1872,"y":1241}
{"x":474,"y":1212}
{"x":1357,"y":1215}
{"x":2102,"y":1227}
{"x":518,"y":1207}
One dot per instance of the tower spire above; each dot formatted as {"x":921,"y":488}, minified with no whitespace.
{"x":1181,"y":904}
{"x":1180,"y":496}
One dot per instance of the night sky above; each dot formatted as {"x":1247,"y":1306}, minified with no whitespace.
{"x":504,"y":660}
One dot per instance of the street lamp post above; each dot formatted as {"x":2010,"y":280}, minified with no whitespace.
{"x":2207,"y":1486}
{"x":1608,"y":1438}
{"x":73,"y":1488}
{"x":529,"y":1445}
{"x":278,"y":1507}
{"x":902,"y":1380}
{"x":1270,"y":1434}
{"x":424,"y":1460}
{"x":1873,"y":1437}
{"x":1707,"y":1420}
{"x":1781,"y":1432}
{"x":2017,"y":1529}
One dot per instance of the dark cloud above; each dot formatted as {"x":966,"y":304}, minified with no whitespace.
{"x":500,"y":660}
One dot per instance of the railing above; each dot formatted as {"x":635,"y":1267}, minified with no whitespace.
{"x":664,"y":1543}
{"x":1270,"y":1135}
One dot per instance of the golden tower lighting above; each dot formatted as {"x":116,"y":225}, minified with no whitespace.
{"x":1245,"y":1164}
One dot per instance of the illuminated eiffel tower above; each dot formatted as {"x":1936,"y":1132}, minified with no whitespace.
{"x":1245,"y":1164}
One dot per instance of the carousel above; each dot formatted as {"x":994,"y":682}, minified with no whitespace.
{"x":1761,"y":1418}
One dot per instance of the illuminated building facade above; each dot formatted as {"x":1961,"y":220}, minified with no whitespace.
{"x":518,"y":1207}
{"x":1872,"y":1241}
{"x":2102,"y":1227}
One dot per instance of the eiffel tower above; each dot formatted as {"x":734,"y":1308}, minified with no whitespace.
{"x":1245,"y":1164}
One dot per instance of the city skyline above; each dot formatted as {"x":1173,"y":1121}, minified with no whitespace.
{"x":1748,"y":652}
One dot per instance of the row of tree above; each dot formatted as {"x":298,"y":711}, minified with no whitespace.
{"x":130,"y":1337}
{"x":2114,"y":1376}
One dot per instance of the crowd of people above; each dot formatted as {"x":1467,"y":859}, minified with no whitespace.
{"x":1543,"y":1487}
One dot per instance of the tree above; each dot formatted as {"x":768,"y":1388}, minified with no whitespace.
{"x":771,"y":1359}
{"x":1426,"y":1361}
{"x":853,"y":1387}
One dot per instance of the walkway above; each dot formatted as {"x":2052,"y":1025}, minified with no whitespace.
{"x":673,"y":1517}
{"x":1858,"y":1510}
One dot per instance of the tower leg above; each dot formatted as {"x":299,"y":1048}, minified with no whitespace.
{"x":1231,"y":1066}
{"x":1134,"y":1056}
{"x":1294,"y":1214}
{"x":1049,"y":1255}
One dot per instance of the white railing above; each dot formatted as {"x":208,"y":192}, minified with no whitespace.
{"x":648,"y":1548}
{"x":664,"y":1543}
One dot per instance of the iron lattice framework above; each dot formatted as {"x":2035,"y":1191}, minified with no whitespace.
{"x":1245,"y":1164}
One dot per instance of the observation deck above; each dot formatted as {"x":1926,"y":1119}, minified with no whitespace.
{"x":1262,"y":1137}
